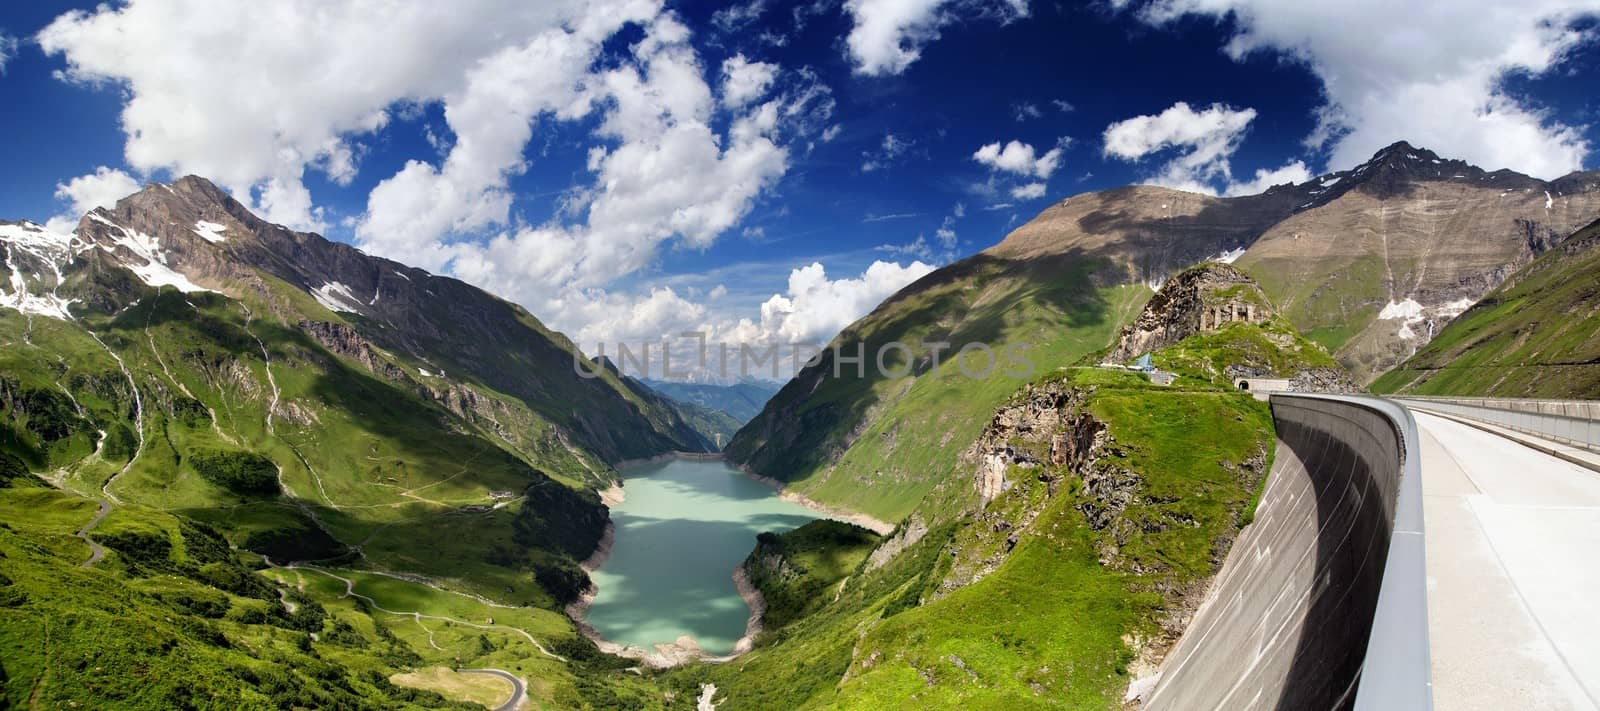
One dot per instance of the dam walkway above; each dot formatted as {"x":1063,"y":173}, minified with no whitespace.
{"x":1407,"y":554}
{"x":1513,"y":566}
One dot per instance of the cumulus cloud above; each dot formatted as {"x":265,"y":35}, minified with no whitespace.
{"x":1390,"y":80}
{"x":492,"y":118}
{"x":102,"y":188}
{"x":1030,"y":191}
{"x":256,"y":116}
{"x":744,"y":81}
{"x":665,"y":167}
{"x":664,"y":176}
{"x":1293,"y":172}
{"x":1202,"y":140}
{"x":1019,"y":158}
{"x":814,"y":307}
{"x":886,"y":36}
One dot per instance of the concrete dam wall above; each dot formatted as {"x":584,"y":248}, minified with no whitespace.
{"x":1321,"y":603}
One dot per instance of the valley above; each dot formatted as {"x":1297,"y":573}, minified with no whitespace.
{"x":667,"y":578}
{"x":306,"y":476}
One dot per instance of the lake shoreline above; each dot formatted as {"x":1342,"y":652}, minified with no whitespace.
{"x":685,"y":648}
{"x":880,"y":527}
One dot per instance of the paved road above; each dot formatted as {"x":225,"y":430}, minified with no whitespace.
{"x":1513,"y":558}
{"x":518,"y":690}
{"x":95,"y":551}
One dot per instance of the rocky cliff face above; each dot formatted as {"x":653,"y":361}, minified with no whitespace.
{"x":1046,"y":430}
{"x":1212,"y":323}
{"x":1201,"y":299}
{"x":1049,"y":438}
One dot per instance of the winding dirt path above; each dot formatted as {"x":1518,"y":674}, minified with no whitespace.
{"x":96,"y":552}
{"x":350,"y":591}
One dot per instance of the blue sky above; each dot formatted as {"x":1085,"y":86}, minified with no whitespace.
{"x":596,"y":163}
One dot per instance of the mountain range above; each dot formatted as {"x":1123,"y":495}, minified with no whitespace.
{"x":1369,"y":263}
{"x":224,"y":441}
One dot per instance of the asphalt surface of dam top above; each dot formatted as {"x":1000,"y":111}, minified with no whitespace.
{"x":1513,"y":560}
{"x":1403,"y":561}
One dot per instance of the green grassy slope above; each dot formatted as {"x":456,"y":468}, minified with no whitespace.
{"x":202,"y":408}
{"x":1031,"y":600}
{"x":796,"y":571}
{"x":173,"y":618}
{"x":1537,"y":335}
{"x":880,"y":444}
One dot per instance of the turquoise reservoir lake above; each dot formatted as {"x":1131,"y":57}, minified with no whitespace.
{"x":684,"y":526}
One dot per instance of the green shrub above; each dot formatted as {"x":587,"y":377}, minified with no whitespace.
{"x":243,"y":473}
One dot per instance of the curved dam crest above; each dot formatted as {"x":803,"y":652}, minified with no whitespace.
{"x":682,"y":529}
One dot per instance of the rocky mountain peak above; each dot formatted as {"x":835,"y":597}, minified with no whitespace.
{"x":1203,"y":298}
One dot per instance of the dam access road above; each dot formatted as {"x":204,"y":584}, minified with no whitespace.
{"x":1513,"y":562}
{"x":1407,"y":553}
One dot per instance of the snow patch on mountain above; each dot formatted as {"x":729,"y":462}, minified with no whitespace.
{"x":1231,"y":255}
{"x":1409,"y":310}
{"x":42,"y":248}
{"x":154,"y":271}
{"x":1430,"y":318}
{"x":335,"y":296}
{"x":210,"y":231}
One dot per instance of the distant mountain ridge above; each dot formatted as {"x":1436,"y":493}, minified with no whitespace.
{"x":1334,"y":252}
{"x":742,"y":400}
{"x":1368,"y":263}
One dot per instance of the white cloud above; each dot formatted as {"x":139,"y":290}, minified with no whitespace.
{"x":886,"y":36}
{"x":918,"y":247}
{"x":744,"y":81}
{"x":815,"y":308}
{"x":1293,"y":172}
{"x":102,"y":188}
{"x":734,"y":18}
{"x":493,"y":119}
{"x":1204,"y":141}
{"x":941,"y":249}
{"x":1428,"y":71}
{"x":668,"y":177}
{"x":1019,"y":158}
{"x":892,"y":148}
{"x":256,"y":116}
{"x":1024,"y":111}
{"x":8,"y":50}
{"x":1031,"y":191}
